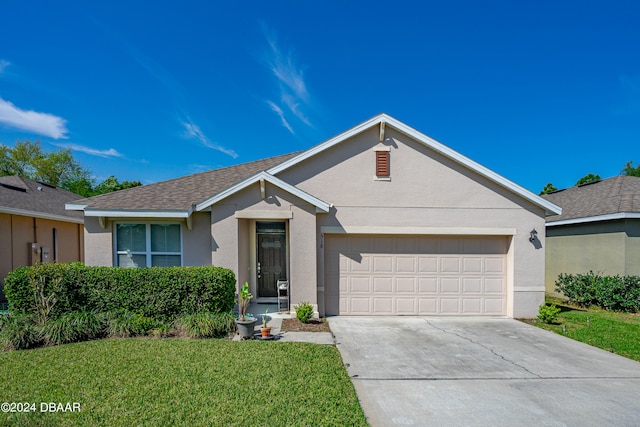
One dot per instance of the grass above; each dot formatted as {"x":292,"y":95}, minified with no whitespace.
{"x":151,"y":382}
{"x":611,"y":331}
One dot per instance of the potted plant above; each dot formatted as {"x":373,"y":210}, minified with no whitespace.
{"x":245,"y":322}
{"x":265,"y":330}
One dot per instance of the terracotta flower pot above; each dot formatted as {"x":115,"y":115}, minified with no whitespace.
{"x":266,"y":332}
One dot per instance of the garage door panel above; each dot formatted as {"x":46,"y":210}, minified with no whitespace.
{"x":382,"y":285}
{"x":449,"y":285}
{"x":383,"y":305}
{"x":471,"y":306}
{"x":428,"y":306}
{"x":360,"y":285}
{"x":406,"y":285}
{"x":450,"y":264}
{"x":383,"y":264}
{"x":416,"y":275}
{"x":405,"y":306}
{"x":428,"y":285}
{"x":472,"y":285}
{"x":428,"y":264}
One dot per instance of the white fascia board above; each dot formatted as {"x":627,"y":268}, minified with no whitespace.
{"x":74,"y":206}
{"x":319,"y":204}
{"x":42,"y":215}
{"x":136,"y":213}
{"x":608,"y":217}
{"x":549,"y":207}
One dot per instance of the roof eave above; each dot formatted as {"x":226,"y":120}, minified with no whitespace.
{"x":42,"y":215}
{"x":320,"y":205}
{"x":597,"y":218}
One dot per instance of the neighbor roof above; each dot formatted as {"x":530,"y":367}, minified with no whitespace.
{"x":23,"y":196}
{"x":178,"y":194}
{"x":612,"y":198}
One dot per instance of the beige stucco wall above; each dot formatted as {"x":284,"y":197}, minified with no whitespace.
{"x":98,"y":242}
{"x":234,"y":238}
{"x":605,"y":247}
{"x":425,"y":190}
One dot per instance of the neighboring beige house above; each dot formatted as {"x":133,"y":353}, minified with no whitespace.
{"x":598,"y":230}
{"x":380,"y":219}
{"x":34,"y":225}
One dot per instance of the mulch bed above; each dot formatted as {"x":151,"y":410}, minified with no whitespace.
{"x":314,"y":325}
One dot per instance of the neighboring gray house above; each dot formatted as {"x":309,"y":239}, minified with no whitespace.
{"x":380,"y":219}
{"x":34,"y":225}
{"x":598,"y":230}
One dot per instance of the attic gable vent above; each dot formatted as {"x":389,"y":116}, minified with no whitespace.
{"x":382,"y":163}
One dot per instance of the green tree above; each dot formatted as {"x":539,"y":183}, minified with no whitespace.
{"x":630,"y":170}
{"x":58,"y":167}
{"x":549,"y":188}
{"x":111,"y":184}
{"x":29,"y":160}
{"x":588,"y":179}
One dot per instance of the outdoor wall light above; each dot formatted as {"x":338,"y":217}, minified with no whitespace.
{"x":532,"y":235}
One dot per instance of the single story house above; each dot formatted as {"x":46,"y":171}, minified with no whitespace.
{"x":380,"y":219}
{"x":598,"y":230}
{"x":34,"y":225}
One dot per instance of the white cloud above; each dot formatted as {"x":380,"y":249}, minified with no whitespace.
{"x":3,"y":65}
{"x":280,"y":113}
{"x":92,"y":151}
{"x":294,"y":95}
{"x":32,"y":121}
{"x":192,"y":130}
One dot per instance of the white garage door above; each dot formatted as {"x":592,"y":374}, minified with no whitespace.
{"x":388,"y":275}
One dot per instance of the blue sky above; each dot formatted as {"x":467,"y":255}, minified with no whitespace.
{"x":537,"y":91}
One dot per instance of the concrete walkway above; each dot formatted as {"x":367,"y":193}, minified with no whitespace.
{"x":274,"y":320}
{"x":423,"y":371}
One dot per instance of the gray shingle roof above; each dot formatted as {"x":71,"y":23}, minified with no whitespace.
{"x":609,"y":196}
{"x":23,"y":194}
{"x":180,"y":193}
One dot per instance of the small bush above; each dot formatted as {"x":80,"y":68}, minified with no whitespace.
{"x":548,"y":313}
{"x":126,"y":324}
{"x":207,"y":325}
{"x":73,"y":327}
{"x":18,"y":332}
{"x":304,"y":311}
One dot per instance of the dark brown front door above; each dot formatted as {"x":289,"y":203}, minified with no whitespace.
{"x":272,"y":257}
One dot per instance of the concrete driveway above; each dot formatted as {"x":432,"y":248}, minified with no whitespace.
{"x":483,"y":372}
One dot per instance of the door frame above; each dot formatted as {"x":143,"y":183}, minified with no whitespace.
{"x":253,"y":246}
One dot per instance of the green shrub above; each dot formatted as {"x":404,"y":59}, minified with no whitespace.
{"x":207,"y":325}
{"x":73,"y":327}
{"x":159,"y":292}
{"x":615,"y":293}
{"x":126,"y":324}
{"x":548,"y":313}
{"x":18,"y":332}
{"x":304,"y":311}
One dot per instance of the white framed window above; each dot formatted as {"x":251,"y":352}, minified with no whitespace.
{"x":148,"y":245}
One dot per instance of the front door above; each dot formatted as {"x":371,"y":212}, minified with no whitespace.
{"x":272,"y":257}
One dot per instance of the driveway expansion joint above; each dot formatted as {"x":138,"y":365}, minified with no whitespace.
{"x":483,"y":346}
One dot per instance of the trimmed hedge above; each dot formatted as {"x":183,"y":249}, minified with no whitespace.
{"x":158,"y":292}
{"x":615,"y":293}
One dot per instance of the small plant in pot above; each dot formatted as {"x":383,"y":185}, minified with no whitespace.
{"x":265,"y":330}
{"x":245,"y":322}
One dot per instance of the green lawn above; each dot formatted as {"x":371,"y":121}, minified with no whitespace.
{"x":616,"y":332}
{"x":155,"y":382}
